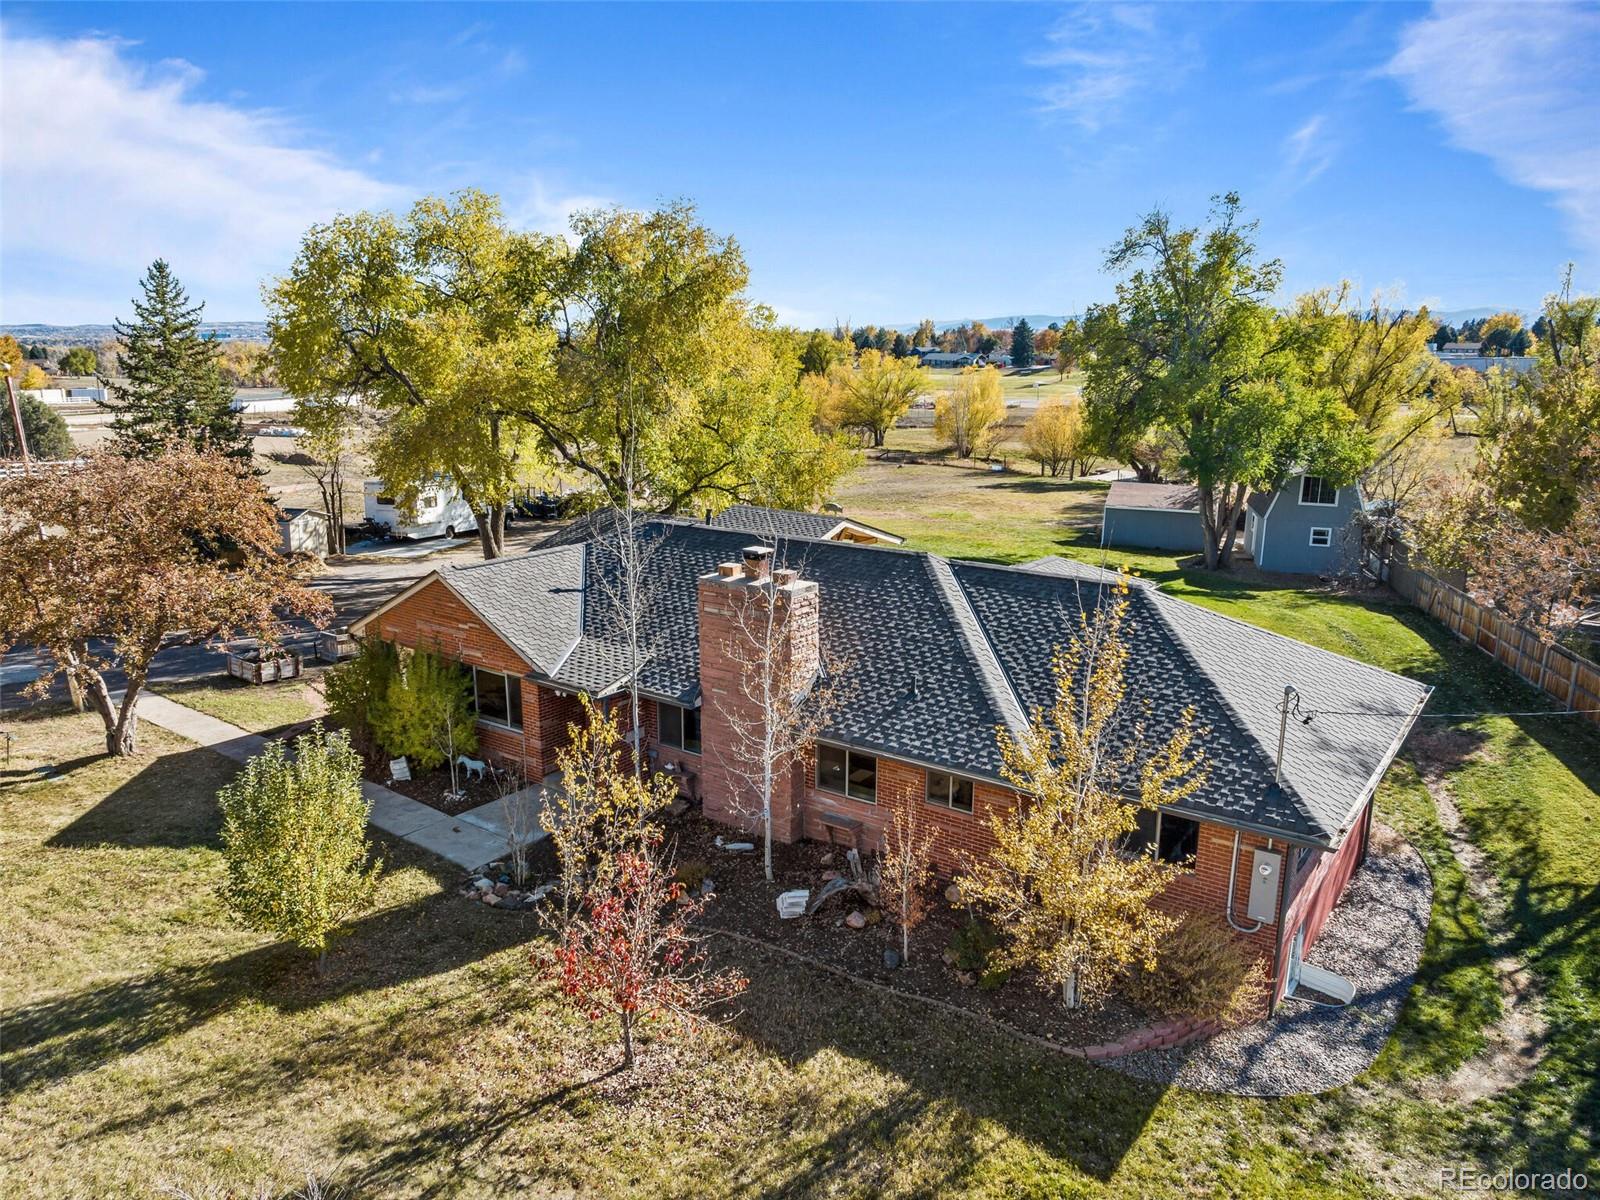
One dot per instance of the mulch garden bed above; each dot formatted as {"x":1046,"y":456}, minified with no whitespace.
{"x":746,"y":904}
{"x":433,"y":787}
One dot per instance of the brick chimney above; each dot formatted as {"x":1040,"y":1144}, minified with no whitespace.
{"x":734,"y":603}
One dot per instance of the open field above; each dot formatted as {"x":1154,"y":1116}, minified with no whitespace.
{"x":147,"y":1042}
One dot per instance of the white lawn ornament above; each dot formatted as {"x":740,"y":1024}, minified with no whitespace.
{"x":793,"y":904}
{"x":472,"y":766}
{"x":399,"y":770}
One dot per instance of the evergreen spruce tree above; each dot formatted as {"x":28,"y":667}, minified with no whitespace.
{"x":174,"y":391}
{"x":1022,"y":344}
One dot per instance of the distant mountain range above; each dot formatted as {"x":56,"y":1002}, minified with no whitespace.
{"x":256,"y":331}
{"x":93,"y":335}
{"x":1037,"y":320}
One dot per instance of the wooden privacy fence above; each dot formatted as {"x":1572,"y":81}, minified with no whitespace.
{"x":1558,"y":672}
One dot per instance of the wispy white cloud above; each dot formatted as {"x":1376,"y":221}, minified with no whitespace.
{"x":1308,"y":151}
{"x":534,"y":204}
{"x":107,"y":164}
{"x":424,"y":93}
{"x":1521,"y":92}
{"x":1104,"y":56}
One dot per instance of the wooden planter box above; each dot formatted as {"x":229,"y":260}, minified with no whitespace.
{"x":252,"y":668}
{"x":334,"y":644}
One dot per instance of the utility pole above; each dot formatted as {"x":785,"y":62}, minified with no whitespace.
{"x":16,"y":420}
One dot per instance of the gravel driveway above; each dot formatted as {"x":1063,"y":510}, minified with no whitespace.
{"x":1374,"y":939}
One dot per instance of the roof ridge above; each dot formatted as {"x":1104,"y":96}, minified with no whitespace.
{"x":996,"y":683}
{"x":1267,"y":758}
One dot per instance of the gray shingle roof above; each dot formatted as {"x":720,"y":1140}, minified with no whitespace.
{"x":789,"y":523}
{"x":1168,"y":497}
{"x":936,"y":655}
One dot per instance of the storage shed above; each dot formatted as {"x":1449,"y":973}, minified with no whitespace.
{"x":303,"y":531}
{"x":1154,"y":516}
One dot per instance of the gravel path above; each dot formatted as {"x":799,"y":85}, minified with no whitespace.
{"x":1374,"y":939}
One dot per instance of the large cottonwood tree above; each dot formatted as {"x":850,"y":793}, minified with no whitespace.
{"x":439,"y":322}
{"x":1192,"y":347}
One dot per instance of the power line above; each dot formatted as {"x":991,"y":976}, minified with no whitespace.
{"x":1541,"y":712}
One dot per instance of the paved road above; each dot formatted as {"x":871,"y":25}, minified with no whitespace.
{"x":355,"y":585}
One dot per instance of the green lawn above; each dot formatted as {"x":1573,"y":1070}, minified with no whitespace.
{"x":262,"y":708}
{"x":146,"y":1042}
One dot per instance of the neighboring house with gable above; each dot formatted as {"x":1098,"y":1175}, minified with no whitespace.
{"x":791,"y":523}
{"x":939,"y":655}
{"x":1306,"y":527}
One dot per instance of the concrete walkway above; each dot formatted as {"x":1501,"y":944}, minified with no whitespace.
{"x":467,"y":840}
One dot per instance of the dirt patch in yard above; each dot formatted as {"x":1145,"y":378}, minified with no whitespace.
{"x":1516,"y":1041}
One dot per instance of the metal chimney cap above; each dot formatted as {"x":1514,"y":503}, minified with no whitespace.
{"x":757,"y":553}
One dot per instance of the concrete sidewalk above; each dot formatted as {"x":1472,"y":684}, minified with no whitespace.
{"x":468,"y":840}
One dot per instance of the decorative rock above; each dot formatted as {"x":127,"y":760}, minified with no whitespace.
{"x":501,"y":888}
{"x":891,"y":958}
{"x":825,"y":859}
{"x":483,"y":885}
{"x":948,"y":957}
{"x":856,"y":920}
{"x":505,"y":879}
{"x":953,"y":894}
{"x":490,"y":898}
{"x":827,"y":875}
{"x":738,"y":847}
{"x":874,"y":917}
{"x":967,"y":978}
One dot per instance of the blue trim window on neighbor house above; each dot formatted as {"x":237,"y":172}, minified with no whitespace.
{"x":847,"y":772}
{"x":1174,"y":839}
{"x":1321,"y":535}
{"x":949,"y":791}
{"x":678,"y":727}
{"x":1314,"y":489}
{"x":497,"y":698}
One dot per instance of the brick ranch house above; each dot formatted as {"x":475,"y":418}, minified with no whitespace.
{"x":939,"y":654}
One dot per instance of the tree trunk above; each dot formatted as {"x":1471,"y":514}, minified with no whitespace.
{"x":1069,"y":991}
{"x":492,"y":530}
{"x":627,"y":1040}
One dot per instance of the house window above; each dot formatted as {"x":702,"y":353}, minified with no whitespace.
{"x":950,"y":791}
{"x":1322,"y":536}
{"x":1314,"y":489}
{"x":1303,"y":859}
{"x":497,"y":698}
{"x":1173,"y":839}
{"x":847,"y":772}
{"x":679,"y":727}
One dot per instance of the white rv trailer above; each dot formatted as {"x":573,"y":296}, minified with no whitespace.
{"x":440,"y":511}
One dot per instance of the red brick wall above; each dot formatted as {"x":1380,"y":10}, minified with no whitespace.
{"x":434,"y":618}
{"x":726,"y":653}
{"x":1318,"y":891}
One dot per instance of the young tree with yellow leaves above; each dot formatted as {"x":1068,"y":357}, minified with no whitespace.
{"x":1057,"y":439}
{"x":603,"y":808}
{"x":872,"y":395}
{"x":906,"y":871}
{"x":1070,"y":903}
{"x":966,"y":414}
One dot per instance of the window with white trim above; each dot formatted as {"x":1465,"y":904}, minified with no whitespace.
{"x":1314,"y":489}
{"x":1321,"y":535}
{"x":949,"y":791}
{"x":1169,"y":837}
{"x":847,"y":772}
{"x":679,"y":727}
{"x":497,"y":698}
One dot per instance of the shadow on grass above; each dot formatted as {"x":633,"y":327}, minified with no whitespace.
{"x":1046,"y":486}
{"x":57,"y":1038}
{"x":958,"y":1074}
{"x":170,"y":802}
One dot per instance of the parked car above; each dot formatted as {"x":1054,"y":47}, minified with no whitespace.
{"x":536,"y":506}
{"x":440,"y":511}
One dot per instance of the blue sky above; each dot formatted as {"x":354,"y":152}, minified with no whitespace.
{"x":877,"y":163}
